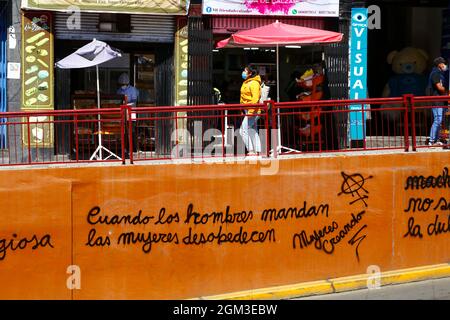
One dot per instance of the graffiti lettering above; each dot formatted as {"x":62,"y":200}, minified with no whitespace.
{"x":420,"y":182}
{"x":217,"y":217}
{"x":20,"y":244}
{"x":413,"y":229}
{"x":171,"y":218}
{"x":436,"y":228}
{"x":304,"y":240}
{"x":241,"y":237}
{"x":294,"y":213}
{"x":97,"y":241}
{"x":329,"y":245}
{"x":127,"y":238}
{"x":358,"y":240}
{"x":94,"y":218}
{"x":442,"y":204}
{"x":419,"y":204}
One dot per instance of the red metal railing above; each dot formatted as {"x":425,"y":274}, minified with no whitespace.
{"x":211,"y":131}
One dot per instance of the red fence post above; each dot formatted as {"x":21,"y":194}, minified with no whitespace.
{"x":29,"y":139}
{"x":266,"y":127}
{"x":275,"y":129}
{"x":413,"y":122}
{"x":123,"y":110}
{"x":77,"y":156}
{"x":129,"y":118}
{"x":406,"y":108}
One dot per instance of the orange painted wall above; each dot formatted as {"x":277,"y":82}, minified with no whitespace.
{"x":57,"y":201}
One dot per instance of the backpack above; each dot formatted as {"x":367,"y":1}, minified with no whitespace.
{"x":265,"y":89}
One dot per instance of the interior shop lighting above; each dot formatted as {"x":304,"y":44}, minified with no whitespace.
{"x":293,"y":47}
{"x":254,"y":48}
{"x":215,"y":50}
{"x":246,"y":48}
{"x":106,"y":26}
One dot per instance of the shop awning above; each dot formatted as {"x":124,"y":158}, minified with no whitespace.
{"x":280,"y":34}
{"x":154,"y":7}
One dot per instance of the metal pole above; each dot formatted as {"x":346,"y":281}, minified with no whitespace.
{"x":98,"y":116}
{"x":278,"y":74}
{"x":279,"y":145}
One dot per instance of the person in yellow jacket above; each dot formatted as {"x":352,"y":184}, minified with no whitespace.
{"x":250,"y":94}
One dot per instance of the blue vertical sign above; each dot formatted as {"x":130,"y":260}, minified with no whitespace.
{"x":358,"y":71}
{"x":3,"y":63}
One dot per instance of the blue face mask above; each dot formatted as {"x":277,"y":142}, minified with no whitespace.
{"x":244,"y":75}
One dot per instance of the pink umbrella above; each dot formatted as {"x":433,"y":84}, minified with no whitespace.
{"x":279,"y":34}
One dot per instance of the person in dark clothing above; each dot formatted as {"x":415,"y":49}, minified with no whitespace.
{"x":293,"y":89}
{"x":438,"y":86}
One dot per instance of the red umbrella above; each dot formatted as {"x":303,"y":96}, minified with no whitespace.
{"x":279,"y":34}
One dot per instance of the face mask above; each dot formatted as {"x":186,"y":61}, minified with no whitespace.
{"x":445,"y":69}
{"x":244,"y":75}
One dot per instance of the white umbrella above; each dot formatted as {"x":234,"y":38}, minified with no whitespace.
{"x":92,"y":54}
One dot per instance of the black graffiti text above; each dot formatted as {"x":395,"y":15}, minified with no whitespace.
{"x":220,"y":237}
{"x":147,"y":239}
{"x":421,"y":182}
{"x":97,"y":241}
{"x":294,"y":212}
{"x":414,"y":230}
{"x":305,"y":240}
{"x":436,"y":228}
{"x":94,"y":218}
{"x":442,"y":204}
{"x":330,"y":245}
{"x":17,"y":243}
{"x":163,"y":219}
{"x":419,"y":204}
{"x":357,"y":239}
{"x":217,"y":217}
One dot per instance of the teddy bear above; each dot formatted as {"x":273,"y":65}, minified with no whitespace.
{"x":408,"y":66}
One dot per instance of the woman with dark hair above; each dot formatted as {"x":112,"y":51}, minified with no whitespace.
{"x":250,"y":94}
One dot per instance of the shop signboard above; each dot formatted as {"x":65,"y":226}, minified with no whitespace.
{"x":37,"y":77}
{"x":309,"y":8}
{"x":181,"y":77}
{"x":37,"y":131}
{"x":37,"y":61}
{"x":181,"y":65}
{"x":177,"y":7}
{"x":358,"y":71}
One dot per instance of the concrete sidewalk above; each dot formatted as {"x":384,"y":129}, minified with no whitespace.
{"x":329,"y":287}
{"x":436,"y":289}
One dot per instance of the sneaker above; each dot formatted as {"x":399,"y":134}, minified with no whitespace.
{"x":435,"y":144}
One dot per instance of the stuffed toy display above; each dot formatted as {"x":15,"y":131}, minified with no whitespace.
{"x":408,"y":66}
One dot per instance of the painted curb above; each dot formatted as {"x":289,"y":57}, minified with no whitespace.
{"x":337,"y":285}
